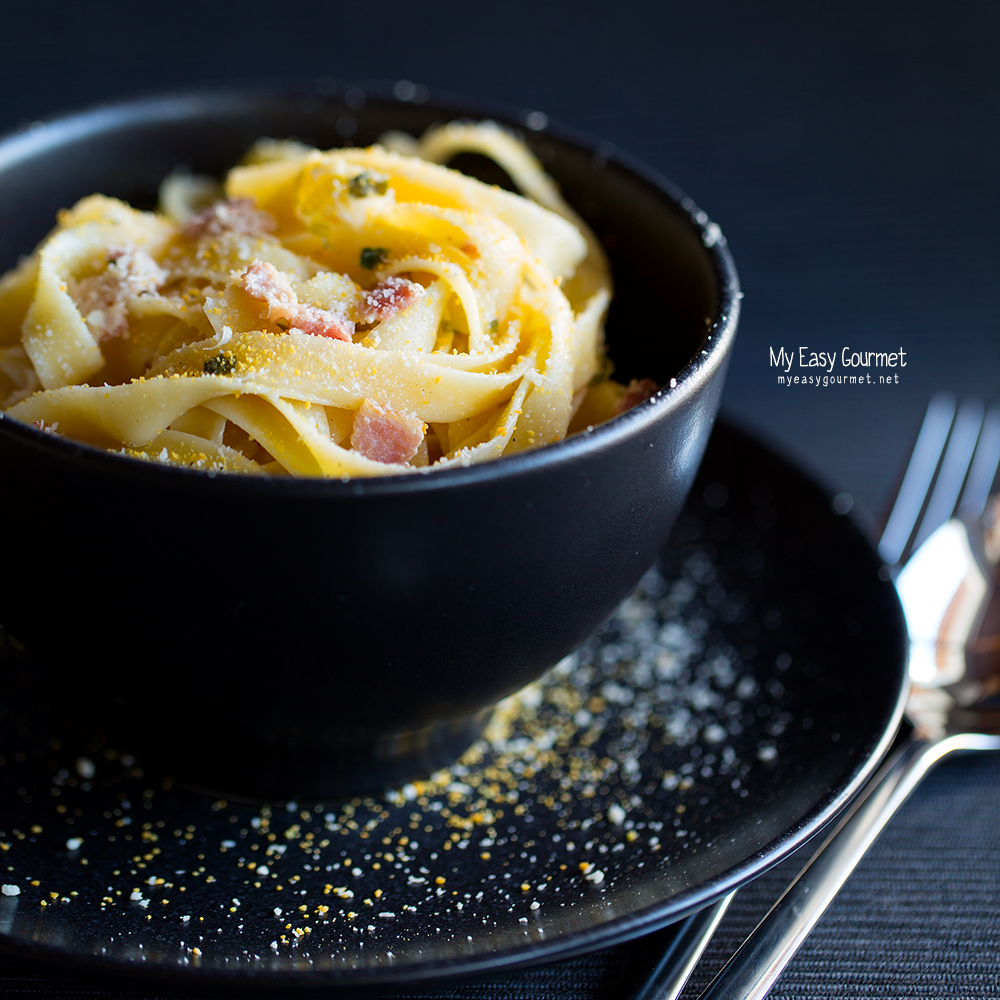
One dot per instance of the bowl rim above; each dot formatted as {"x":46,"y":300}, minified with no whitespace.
{"x":171,"y":105}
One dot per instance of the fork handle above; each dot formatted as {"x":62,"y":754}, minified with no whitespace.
{"x":752,"y":971}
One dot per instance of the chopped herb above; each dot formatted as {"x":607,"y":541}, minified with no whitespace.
{"x":494,"y":325}
{"x":371,"y":257}
{"x":365,"y":184}
{"x":220,"y":365}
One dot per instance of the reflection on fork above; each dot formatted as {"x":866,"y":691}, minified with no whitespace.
{"x":951,"y":634}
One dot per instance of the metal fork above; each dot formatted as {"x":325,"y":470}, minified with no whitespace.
{"x":970,"y":460}
{"x":951,"y":471}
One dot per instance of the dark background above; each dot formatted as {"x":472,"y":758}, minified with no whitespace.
{"x":850,"y":152}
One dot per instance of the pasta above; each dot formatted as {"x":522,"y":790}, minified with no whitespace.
{"x":356,"y":312}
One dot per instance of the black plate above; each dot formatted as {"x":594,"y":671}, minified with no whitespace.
{"x":728,"y":710}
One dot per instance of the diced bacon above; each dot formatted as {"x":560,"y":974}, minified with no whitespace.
{"x":388,"y":298}
{"x":237,"y":215}
{"x":103,"y":298}
{"x":322,"y":322}
{"x":385,"y":436}
{"x":264,"y":282}
{"x":637,"y":391}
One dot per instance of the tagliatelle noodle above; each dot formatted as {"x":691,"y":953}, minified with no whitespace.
{"x":17,"y":289}
{"x":130,"y":414}
{"x":413,"y":329}
{"x":335,"y":373}
{"x":218,"y":335}
{"x":588,"y":291}
{"x":179,"y":448}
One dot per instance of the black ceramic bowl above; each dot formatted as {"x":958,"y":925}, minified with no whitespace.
{"x":314,"y":638}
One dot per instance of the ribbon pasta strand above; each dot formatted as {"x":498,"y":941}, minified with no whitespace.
{"x":356,"y":312}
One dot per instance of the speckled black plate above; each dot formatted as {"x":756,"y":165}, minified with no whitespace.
{"x":726,"y":712}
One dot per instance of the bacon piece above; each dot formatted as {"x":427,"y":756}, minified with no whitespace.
{"x":384,"y":435}
{"x":103,"y":298}
{"x":237,"y":215}
{"x":264,"y":282}
{"x":388,"y":298}
{"x":637,"y":391}
{"x":322,"y":323}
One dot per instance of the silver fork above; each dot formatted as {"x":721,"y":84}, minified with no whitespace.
{"x":965,"y":469}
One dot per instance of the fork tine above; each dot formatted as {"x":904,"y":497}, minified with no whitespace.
{"x":954,"y":468}
{"x":984,"y":466}
{"x":918,"y":477}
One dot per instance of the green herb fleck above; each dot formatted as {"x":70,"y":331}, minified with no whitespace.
{"x":371,"y":257}
{"x":494,"y":325}
{"x":365,"y":184}
{"x":220,"y":365}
